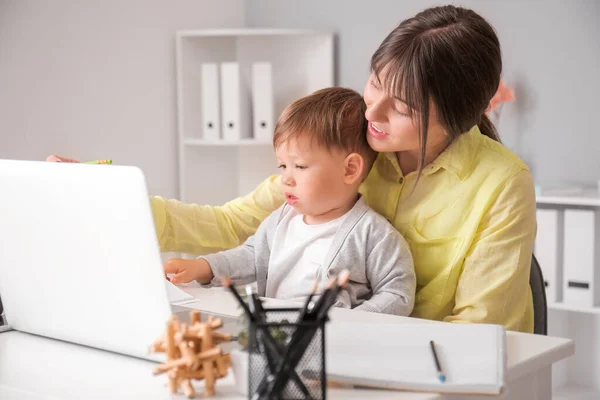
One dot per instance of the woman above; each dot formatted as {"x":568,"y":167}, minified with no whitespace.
{"x":465,"y":203}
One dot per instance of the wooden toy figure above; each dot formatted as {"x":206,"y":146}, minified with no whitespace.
{"x":192,"y":353}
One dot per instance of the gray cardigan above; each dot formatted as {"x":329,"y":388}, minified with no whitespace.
{"x":382,"y":277}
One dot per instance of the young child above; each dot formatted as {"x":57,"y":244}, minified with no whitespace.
{"x":325,"y":226}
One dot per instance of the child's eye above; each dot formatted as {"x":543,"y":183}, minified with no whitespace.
{"x":301,"y":166}
{"x":281,"y":166}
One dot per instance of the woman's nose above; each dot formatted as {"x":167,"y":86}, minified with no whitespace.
{"x":375,"y":111}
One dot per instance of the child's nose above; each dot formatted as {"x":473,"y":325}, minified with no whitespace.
{"x":288,"y":179}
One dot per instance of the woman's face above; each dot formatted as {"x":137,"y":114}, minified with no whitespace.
{"x":391,"y":128}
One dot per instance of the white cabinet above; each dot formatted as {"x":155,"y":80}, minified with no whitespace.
{"x":567,"y":246}
{"x":213,"y":170}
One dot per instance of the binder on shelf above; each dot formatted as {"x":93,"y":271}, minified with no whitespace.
{"x":262,"y":101}
{"x":548,"y":251}
{"x":581,"y":249}
{"x":211,"y":107}
{"x":235,"y":103}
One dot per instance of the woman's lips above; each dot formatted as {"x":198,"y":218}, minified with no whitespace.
{"x":376,"y":132}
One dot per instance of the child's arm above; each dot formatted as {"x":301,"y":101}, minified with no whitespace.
{"x":184,"y":271}
{"x":391,"y":273}
{"x":242,"y":263}
{"x":238,"y":263}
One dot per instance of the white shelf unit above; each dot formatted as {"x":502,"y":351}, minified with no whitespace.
{"x":215,"y":171}
{"x":577,"y":377}
{"x":566,"y":307}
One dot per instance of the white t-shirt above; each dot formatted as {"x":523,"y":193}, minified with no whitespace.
{"x":297,"y":256}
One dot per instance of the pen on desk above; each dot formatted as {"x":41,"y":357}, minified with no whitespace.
{"x":108,"y":161}
{"x":441,"y":375}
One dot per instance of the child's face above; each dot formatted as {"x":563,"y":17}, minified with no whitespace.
{"x":313,"y":179}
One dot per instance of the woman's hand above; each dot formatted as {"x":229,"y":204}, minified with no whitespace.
{"x":55,"y":158}
{"x":185,"y":271}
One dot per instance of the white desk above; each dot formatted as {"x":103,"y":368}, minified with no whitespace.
{"x":34,"y":368}
{"x":529,"y":359}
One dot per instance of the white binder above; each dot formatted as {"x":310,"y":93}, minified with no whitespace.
{"x":548,"y":251}
{"x":581,"y":261}
{"x":262,"y":101}
{"x":211,"y":107}
{"x":235,"y":103}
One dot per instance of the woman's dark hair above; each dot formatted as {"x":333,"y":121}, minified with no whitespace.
{"x":449,"y":55}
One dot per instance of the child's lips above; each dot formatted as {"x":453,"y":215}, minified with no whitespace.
{"x":291,"y":199}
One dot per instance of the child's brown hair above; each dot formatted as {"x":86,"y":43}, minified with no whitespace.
{"x":334,"y":117}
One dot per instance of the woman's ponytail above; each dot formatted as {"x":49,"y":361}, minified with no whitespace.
{"x":488,"y":129}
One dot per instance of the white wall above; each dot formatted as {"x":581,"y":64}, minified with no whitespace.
{"x":551,"y":57}
{"x":96,"y":79}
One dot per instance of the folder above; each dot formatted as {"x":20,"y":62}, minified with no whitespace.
{"x":235,"y":103}
{"x":548,"y":251}
{"x":211,"y":118}
{"x":262,"y":101}
{"x":398,"y":356}
{"x":581,"y":250}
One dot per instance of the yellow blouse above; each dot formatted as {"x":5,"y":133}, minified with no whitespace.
{"x":470,"y":223}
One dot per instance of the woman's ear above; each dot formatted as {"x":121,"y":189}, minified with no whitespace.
{"x":354,"y":164}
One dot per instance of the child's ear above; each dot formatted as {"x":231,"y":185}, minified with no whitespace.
{"x":354,"y":166}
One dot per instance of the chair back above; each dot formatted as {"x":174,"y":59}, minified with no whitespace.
{"x":540,"y":305}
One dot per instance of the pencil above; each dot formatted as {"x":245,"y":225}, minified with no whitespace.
{"x":108,"y":161}
{"x":441,"y":375}
{"x":306,"y":307}
{"x":304,"y":334}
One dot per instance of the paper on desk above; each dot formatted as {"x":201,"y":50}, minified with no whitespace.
{"x":178,"y":296}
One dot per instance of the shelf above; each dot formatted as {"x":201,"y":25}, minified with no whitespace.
{"x":215,"y":171}
{"x":567,"y":307}
{"x":573,"y":197}
{"x":246,"y":32}
{"x":573,"y":392}
{"x":241,"y":142}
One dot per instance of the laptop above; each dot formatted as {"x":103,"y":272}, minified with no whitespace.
{"x":79,"y":258}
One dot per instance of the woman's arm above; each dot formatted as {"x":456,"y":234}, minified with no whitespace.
{"x":199,"y":229}
{"x":494,"y":284}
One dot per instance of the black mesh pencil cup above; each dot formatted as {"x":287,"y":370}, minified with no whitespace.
{"x":286,"y":356}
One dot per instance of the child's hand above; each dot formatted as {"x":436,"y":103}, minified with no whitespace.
{"x":188,"y":270}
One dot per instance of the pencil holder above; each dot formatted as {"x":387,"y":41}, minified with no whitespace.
{"x":287,"y":357}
